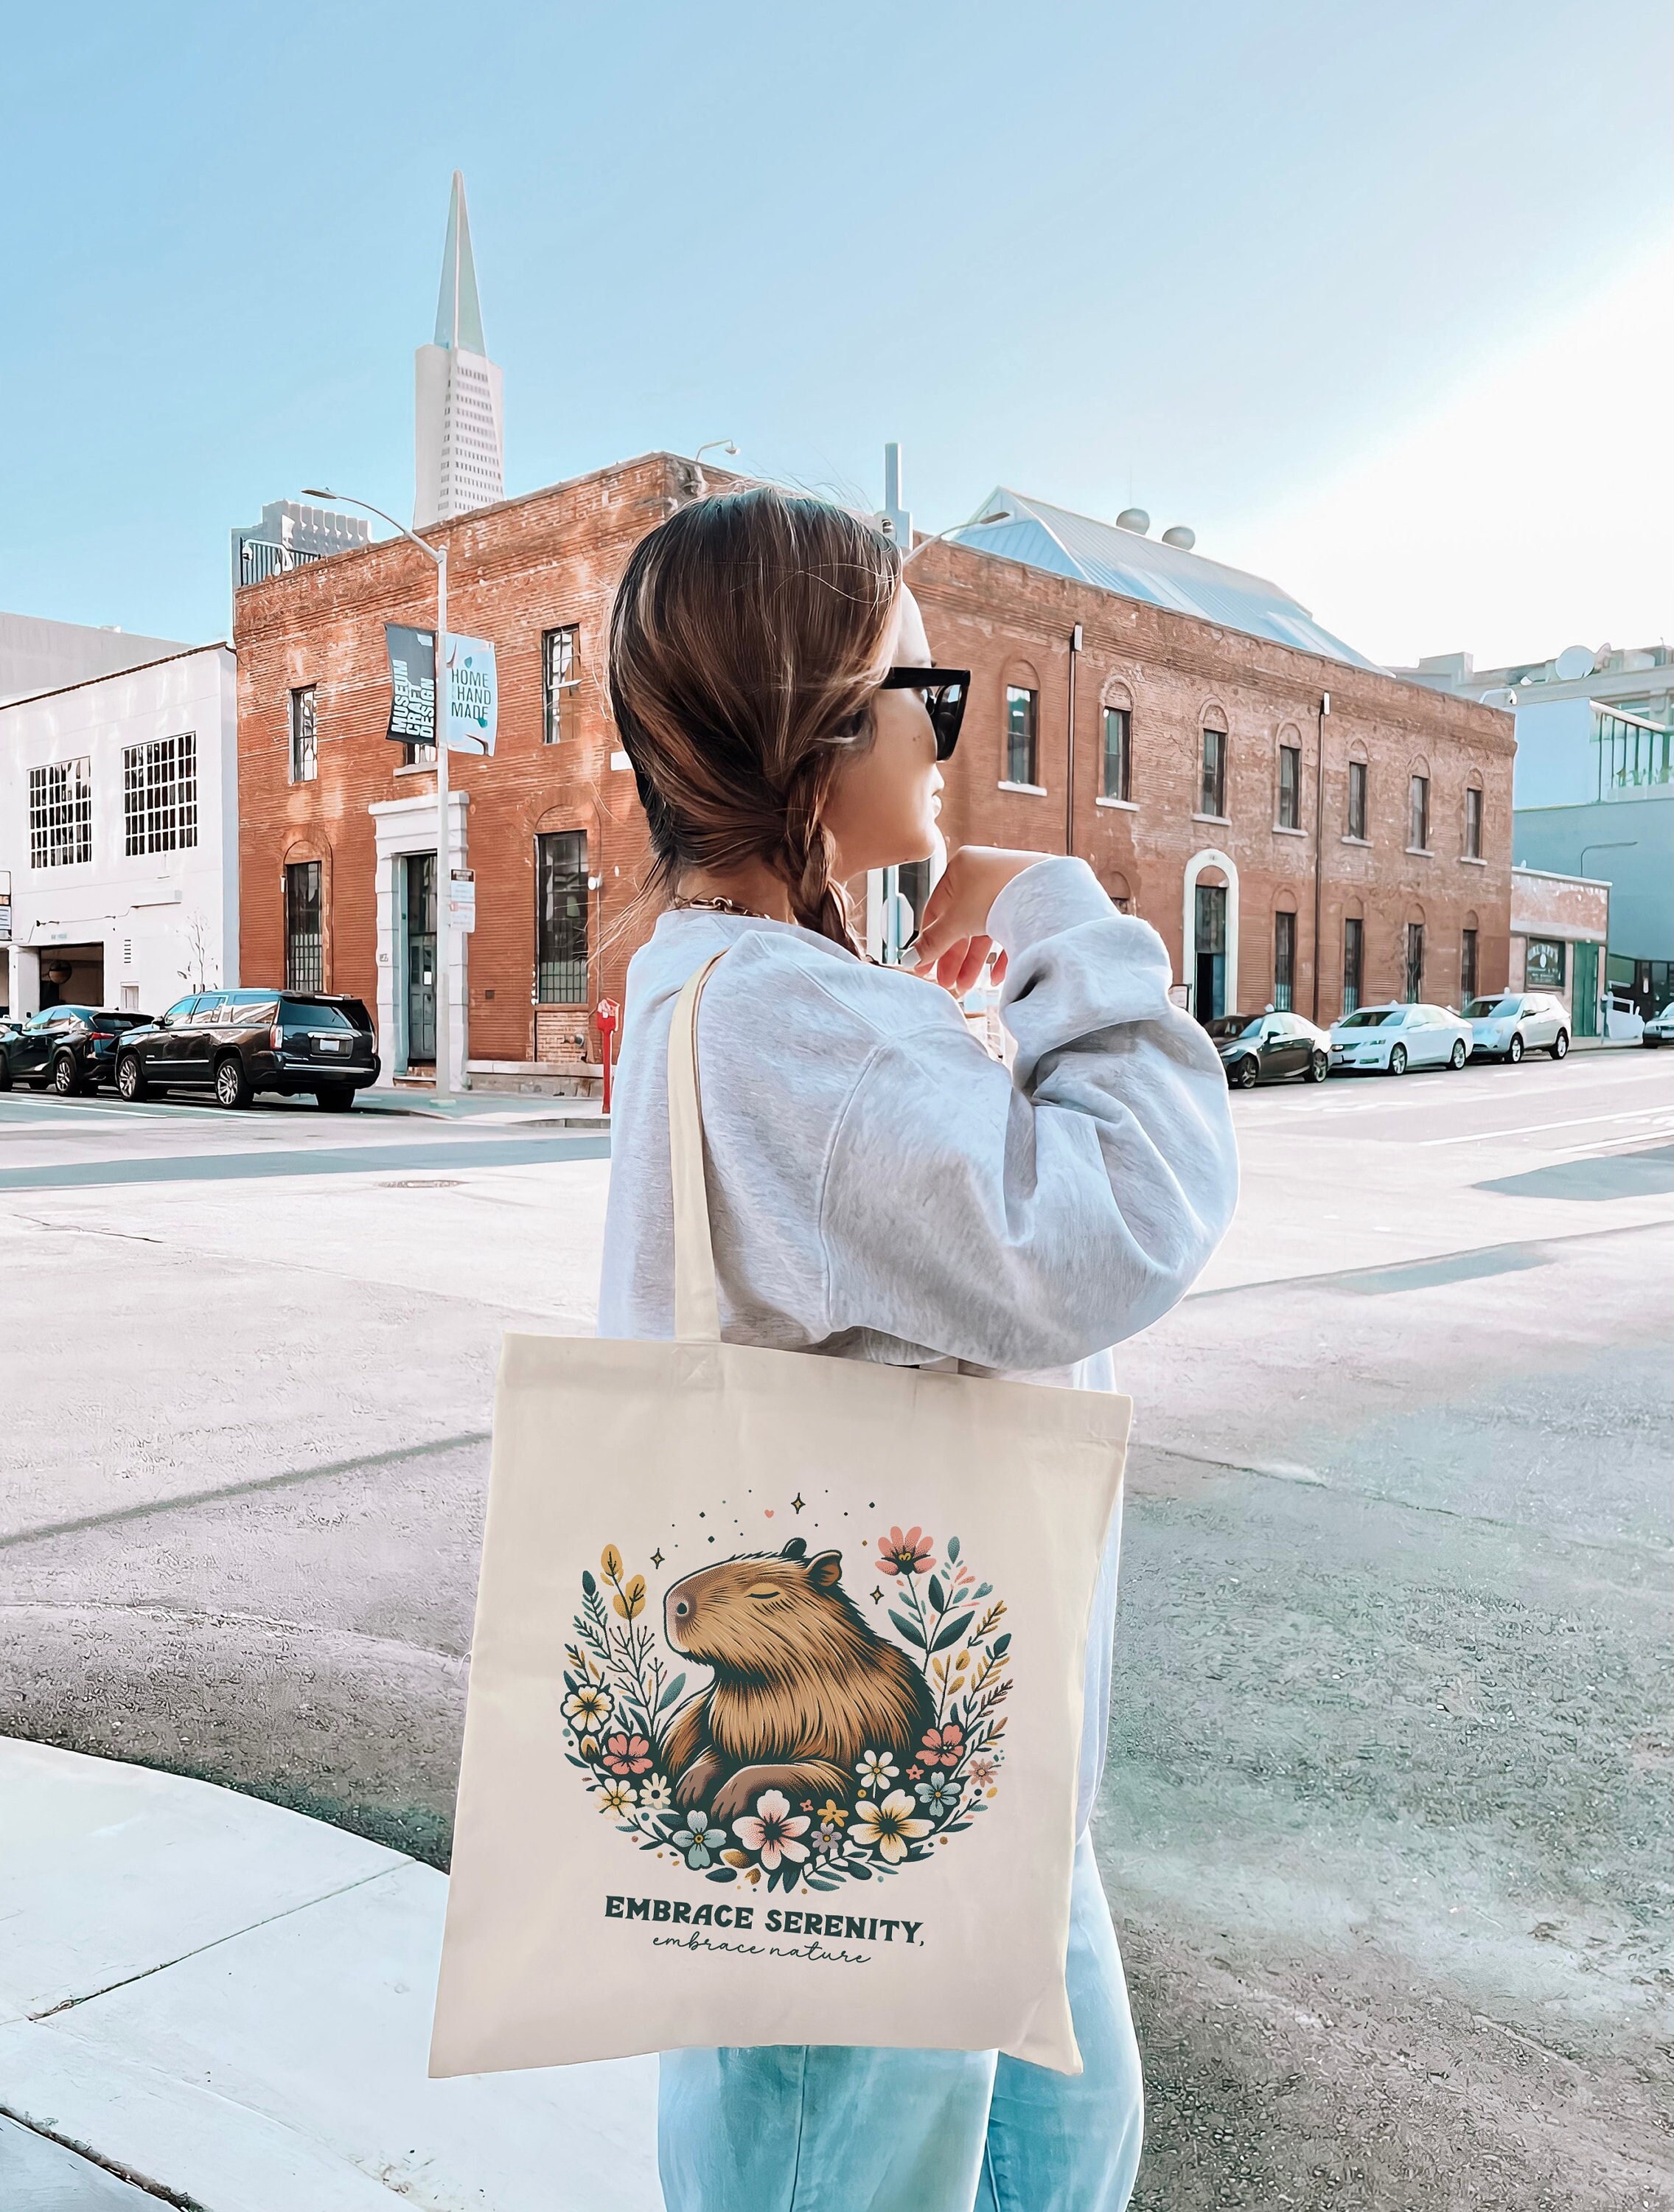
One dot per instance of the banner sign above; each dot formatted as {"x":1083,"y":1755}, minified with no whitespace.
{"x":412,"y":685}
{"x":473,"y":689}
{"x":473,"y":695}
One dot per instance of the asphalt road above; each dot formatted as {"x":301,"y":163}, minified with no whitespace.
{"x":1386,"y":1823}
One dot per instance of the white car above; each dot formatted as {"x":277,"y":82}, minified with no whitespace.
{"x":1393,"y":1038}
{"x":1518,"y":1022}
{"x":1660,"y":1029}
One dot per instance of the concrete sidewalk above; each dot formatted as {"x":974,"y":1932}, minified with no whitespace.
{"x":487,"y":1109}
{"x":229,"y":2005}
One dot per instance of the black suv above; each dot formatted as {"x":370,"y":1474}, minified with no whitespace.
{"x":71,"y":1047}
{"x":239,"y":1042}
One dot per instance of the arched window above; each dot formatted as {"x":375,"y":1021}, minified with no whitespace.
{"x":1287,"y":811}
{"x":1116,"y":742}
{"x":1473,"y":817}
{"x":1020,"y":725}
{"x":1212,"y":772}
{"x":1284,"y":950}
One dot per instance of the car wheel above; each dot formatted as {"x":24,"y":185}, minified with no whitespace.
{"x":336,"y":1097}
{"x":1514,"y":1050}
{"x":1459,"y":1054}
{"x":1318,"y":1067}
{"x":1560,"y":1044}
{"x":65,"y":1081}
{"x":129,"y":1077}
{"x":1244,"y":1075}
{"x":1398,"y":1060}
{"x":232,"y":1084}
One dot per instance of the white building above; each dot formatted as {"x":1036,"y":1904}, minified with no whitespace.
{"x":36,"y":655}
{"x":459,"y":448}
{"x":120,"y":838}
{"x":289,"y":536}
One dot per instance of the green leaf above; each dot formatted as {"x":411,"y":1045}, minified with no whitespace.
{"x":939,"y":1596}
{"x":909,"y":1629}
{"x":952,"y":1548}
{"x":588,"y":1585}
{"x":1001,"y":1645}
{"x":954,"y":1629}
{"x":671,"y":1693}
{"x":983,"y":1589}
{"x":721,"y":1874}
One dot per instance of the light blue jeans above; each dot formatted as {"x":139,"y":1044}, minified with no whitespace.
{"x":816,"y":2129}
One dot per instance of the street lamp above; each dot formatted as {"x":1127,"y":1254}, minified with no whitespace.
{"x":444,"y":873}
{"x":715,"y":446}
{"x":998,"y":514}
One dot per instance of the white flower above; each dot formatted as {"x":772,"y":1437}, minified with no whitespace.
{"x":876,"y":1770}
{"x":616,"y":1797}
{"x":654,"y":1792}
{"x":588,"y":1709}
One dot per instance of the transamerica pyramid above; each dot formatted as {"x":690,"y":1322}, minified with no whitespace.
{"x":458,"y":417}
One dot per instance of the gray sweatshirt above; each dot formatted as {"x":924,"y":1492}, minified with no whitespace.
{"x":880,"y":1188}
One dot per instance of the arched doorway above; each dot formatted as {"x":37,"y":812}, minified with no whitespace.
{"x":1209,"y":934}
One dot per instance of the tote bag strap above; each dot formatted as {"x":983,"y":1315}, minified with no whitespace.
{"x":697,"y":1311}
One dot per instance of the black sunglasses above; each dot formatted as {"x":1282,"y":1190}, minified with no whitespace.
{"x":945,"y":691}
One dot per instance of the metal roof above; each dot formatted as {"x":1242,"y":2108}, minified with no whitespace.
{"x":1098,"y":553}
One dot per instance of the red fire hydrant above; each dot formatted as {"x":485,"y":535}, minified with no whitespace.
{"x":607,"y":1013}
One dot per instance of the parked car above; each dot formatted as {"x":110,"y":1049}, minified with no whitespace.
{"x":1394,"y":1038}
{"x":1660,"y":1029}
{"x":1264,"y":1048}
{"x":1518,"y":1022}
{"x":238,"y":1042}
{"x":72,"y":1047}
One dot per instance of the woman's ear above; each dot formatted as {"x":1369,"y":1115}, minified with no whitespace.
{"x":824,"y":1569}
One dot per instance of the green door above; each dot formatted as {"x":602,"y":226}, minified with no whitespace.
{"x":1584,"y":998}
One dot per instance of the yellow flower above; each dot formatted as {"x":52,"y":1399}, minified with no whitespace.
{"x":834,"y":1814}
{"x":888,"y":1828}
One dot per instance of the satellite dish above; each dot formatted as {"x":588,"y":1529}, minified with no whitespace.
{"x":1573,"y":663}
{"x":1181,"y":537}
{"x":1134,"y":518}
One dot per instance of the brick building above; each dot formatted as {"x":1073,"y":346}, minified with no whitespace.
{"x":1195,"y":783}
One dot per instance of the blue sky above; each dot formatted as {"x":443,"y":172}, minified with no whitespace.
{"x":1218,"y":259}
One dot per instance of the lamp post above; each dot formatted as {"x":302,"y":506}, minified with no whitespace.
{"x":715,"y":446}
{"x":1614,"y":845}
{"x":443,"y":872}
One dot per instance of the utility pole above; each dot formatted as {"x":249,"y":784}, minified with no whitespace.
{"x":1070,"y":746}
{"x":1319,"y":841}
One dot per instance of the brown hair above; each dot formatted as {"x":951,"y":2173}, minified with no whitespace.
{"x":745,"y":644}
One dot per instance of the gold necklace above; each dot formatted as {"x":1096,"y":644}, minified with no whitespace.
{"x":722,"y":906}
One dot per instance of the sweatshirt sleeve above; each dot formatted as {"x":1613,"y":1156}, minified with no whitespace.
{"x":1050,"y":1212}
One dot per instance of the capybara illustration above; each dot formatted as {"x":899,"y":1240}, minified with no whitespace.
{"x":803,"y":1686}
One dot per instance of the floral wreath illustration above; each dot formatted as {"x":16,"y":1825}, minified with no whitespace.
{"x":907,"y":1749}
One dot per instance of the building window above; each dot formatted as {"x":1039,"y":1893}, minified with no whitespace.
{"x":61,"y":813}
{"x":1357,"y":799}
{"x":560,"y":919}
{"x":1118,"y":753}
{"x":159,"y":795}
{"x":562,"y":686}
{"x":1354,"y":940}
{"x":305,"y":935}
{"x":1544,"y":964}
{"x":1467,"y":966}
{"x":1415,"y":962}
{"x":305,"y":745}
{"x":1212,"y":786}
{"x":1290,"y":787}
{"x":1473,"y":824}
{"x":1284,"y":961}
{"x":1418,"y":814}
{"x":1022,"y":733}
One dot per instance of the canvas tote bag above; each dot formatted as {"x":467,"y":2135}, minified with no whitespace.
{"x":776,"y":1693}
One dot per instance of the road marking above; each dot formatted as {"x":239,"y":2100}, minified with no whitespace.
{"x":1533,"y":1128}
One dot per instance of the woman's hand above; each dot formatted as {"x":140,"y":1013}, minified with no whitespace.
{"x":953,"y":941}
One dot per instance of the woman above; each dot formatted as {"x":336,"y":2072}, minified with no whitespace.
{"x":882,"y":1189}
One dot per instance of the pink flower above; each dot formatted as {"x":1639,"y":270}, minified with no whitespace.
{"x":943,"y":1746}
{"x":905,"y":1555}
{"x":626,"y":1755}
{"x":771,"y":1830}
{"x":982,"y":1772}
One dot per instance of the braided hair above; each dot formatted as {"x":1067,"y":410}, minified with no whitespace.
{"x":746,"y":641}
